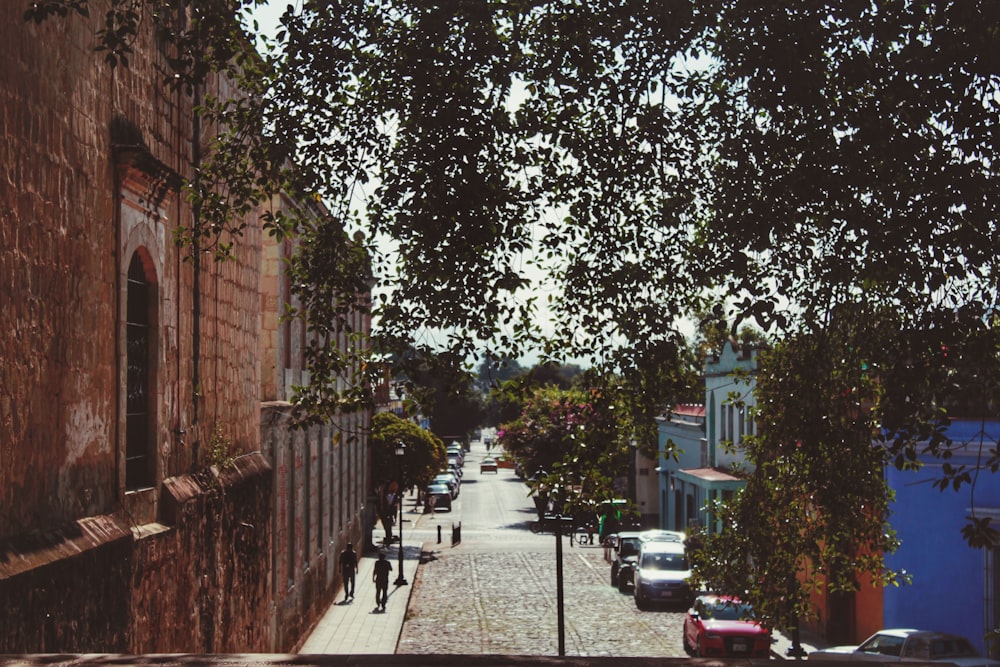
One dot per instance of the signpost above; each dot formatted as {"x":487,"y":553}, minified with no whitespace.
{"x":557,"y":523}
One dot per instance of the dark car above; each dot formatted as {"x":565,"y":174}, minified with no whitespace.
{"x":450,"y":480}
{"x":722,"y":626}
{"x":626,"y":552}
{"x":438,"y":498}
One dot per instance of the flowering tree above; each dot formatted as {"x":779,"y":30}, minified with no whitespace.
{"x":571,"y":442}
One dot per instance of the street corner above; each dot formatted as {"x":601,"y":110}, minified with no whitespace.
{"x":430,"y":552}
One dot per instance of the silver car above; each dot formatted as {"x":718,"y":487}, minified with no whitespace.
{"x":906,"y":645}
{"x":661,"y":575}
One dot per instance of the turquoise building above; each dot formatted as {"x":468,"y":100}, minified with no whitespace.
{"x":710,"y":463}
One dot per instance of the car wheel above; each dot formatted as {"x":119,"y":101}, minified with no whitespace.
{"x":687,"y":645}
{"x":622,"y":584}
{"x":614,"y":577}
{"x":697,"y":648}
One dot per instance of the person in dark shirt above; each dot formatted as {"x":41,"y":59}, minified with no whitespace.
{"x":380,"y":576}
{"x":348,"y":568}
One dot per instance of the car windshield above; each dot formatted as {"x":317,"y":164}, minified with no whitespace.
{"x":883,"y":644}
{"x":728,"y":611}
{"x":629,"y":547}
{"x":663,"y":561}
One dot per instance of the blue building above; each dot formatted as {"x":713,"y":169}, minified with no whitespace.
{"x":955,"y":588}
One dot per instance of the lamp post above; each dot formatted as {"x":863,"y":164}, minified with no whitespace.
{"x":560,"y":523}
{"x":400,"y":453}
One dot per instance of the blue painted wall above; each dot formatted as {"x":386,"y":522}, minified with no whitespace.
{"x":949,"y":588}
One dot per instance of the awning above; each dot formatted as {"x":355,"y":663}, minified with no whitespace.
{"x":710,"y":478}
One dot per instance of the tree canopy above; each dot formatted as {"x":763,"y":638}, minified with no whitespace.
{"x":572,"y":443}
{"x":445,"y":391}
{"x":815,"y":510}
{"x":577,"y":176}
{"x":424,"y":456}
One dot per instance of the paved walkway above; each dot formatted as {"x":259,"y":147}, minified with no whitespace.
{"x":493,"y":617}
{"x":357,"y":626}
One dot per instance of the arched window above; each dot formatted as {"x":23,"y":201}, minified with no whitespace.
{"x":140,"y":346}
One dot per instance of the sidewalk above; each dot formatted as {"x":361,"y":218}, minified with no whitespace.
{"x":782,"y":643}
{"x":357,"y":626}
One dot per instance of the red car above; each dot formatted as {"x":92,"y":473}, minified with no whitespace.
{"x":722,"y":626}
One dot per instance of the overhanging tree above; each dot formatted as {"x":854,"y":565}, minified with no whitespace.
{"x":815,"y":511}
{"x":640,"y":160}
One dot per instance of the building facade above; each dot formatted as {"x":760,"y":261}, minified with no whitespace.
{"x":955,"y":587}
{"x":139,"y":511}
{"x":322,"y":478}
{"x":710,"y":464}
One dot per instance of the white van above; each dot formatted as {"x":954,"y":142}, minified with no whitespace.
{"x":661,"y":574}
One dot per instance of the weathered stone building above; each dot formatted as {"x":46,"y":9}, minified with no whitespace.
{"x":321,"y":474}
{"x":125,"y":371}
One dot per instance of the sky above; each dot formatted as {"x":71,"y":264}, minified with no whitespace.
{"x":267,"y":16}
{"x":268,"y":19}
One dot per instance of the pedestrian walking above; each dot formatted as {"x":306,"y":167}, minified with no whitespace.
{"x":380,"y":575}
{"x":348,"y":568}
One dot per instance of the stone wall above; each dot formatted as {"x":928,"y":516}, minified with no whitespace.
{"x":321,"y":475}
{"x":320,"y":484}
{"x":57,"y":278}
{"x":209,"y":572}
{"x":199,"y":582}
{"x":91,"y":164}
{"x":90,"y":161}
{"x":67,"y":589}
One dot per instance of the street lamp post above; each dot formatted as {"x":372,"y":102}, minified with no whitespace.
{"x":400,"y":453}
{"x":560,"y":523}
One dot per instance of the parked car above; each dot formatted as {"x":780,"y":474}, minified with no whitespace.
{"x":489,"y":464}
{"x":626,"y":551}
{"x":906,"y":645}
{"x":661,"y":574}
{"x":722,"y":626}
{"x":457,"y":452}
{"x":437,"y":497}
{"x":450,"y":480}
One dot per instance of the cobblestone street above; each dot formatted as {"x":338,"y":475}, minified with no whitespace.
{"x":476,"y":601}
